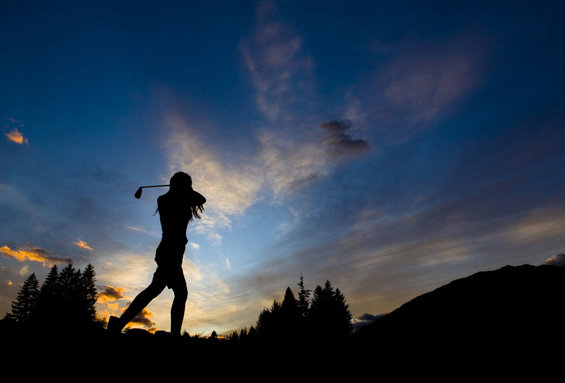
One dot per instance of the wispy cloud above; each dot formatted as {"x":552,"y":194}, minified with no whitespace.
{"x":422,"y":82}
{"x":275,"y":61}
{"x":11,"y":196}
{"x":229,"y":188}
{"x":33,"y":254}
{"x":289,"y":162}
{"x":283,"y":163}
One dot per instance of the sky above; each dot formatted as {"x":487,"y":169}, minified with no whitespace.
{"x":389,"y":147}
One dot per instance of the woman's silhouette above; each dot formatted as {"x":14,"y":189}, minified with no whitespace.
{"x":176,"y":208}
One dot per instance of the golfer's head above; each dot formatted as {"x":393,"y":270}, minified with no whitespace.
{"x":180,"y":182}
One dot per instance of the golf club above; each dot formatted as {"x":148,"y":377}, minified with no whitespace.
{"x":138,"y":192}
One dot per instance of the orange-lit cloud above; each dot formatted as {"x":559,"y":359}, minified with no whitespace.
{"x":556,"y":260}
{"x":33,"y":254}
{"x":111,"y":293}
{"x":143,"y":318}
{"x":16,"y":136}
{"x":83,"y":245}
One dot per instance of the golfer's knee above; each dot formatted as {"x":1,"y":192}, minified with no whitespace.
{"x":181,"y":293}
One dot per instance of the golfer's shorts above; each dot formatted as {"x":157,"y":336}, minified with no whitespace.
{"x":169,"y":257}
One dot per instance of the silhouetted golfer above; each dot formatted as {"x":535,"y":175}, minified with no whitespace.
{"x":176,"y":208}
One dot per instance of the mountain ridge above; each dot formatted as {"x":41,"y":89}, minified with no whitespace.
{"x":513,"y":306}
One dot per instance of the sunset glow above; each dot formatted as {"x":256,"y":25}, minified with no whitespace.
{"x":388,"y":147}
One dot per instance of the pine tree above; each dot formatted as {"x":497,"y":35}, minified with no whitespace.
{"x":329,"y":314}
{"x":303,"y":298}
{"x":48,"y":302}
{"x":343,"y":316}
{"x":24,"y":305}
{"x":71,"y":310}
{"x":268,"y":324}
{"x":69,"y":281}
{"x":66,"y":300}
{"x":289,"y":315}
{"x":89,"y":292}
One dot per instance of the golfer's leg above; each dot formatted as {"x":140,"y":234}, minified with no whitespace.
{"x":141,"y":301}
{"x":177,"y":310}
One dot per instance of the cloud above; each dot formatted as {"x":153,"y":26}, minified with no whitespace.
{"x":33,"y":254}
{"x":82,"y":245}
{"x":16,"y":137}
{"x":339,"y":144}
{"x":556,"y":260}
{"x":230,"y":188}
{"x":285,"y":161}
{"x":364,"y":320}
{"x":422,"y":83}
{"x":274,"y":59}
{"x":110,"y":293}
{"x":11,"y":196}
{"x":289,"y":162}
{"x":144,"y":319}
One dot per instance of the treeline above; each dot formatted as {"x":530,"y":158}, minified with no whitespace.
{"x":65,"y":300}
{"x":311,"y":316}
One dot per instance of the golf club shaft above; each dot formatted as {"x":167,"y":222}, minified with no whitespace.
{"x":154,"y":186}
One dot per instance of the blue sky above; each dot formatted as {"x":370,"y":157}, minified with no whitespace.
{"x":389,"y":147}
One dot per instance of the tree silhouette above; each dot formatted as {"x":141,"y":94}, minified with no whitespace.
{"x":289,"y":316}
{"x":89,"y":292}
{"x":303,"y":298}
{"x":24,"y":305}
{"x":70,"y":310}
{"x":329,"y":315}
{"x":303,"y":305}
{"x":268,"y":324}
{"x":65,"y":300}
{"x":48,"y":302}
{"x":326,"y":316}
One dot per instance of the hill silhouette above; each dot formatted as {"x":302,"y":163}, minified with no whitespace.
{"x":512,"y":311}
{"x":499,"y":321}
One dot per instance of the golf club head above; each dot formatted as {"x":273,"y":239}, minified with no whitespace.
{"x":138,"y":193}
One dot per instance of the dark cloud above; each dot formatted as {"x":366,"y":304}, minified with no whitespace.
{"x":110,"y":293}
{"x":143,"y":318}
{"x":338,"y":142}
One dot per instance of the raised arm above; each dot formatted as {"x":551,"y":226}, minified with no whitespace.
{"x":197,"y":199}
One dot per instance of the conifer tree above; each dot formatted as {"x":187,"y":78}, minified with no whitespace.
{"x":48,"y":302}
{"x":303,"y":298}
{"x":70,"y":283}
{"x":268,"y":323}
{"x":289,"y":315}
{"x":66,"y":300}
{"x":24,"y":304}
{"x":89,"y":292}
{"x":343,"y":316}
{"x":329,"y":314}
